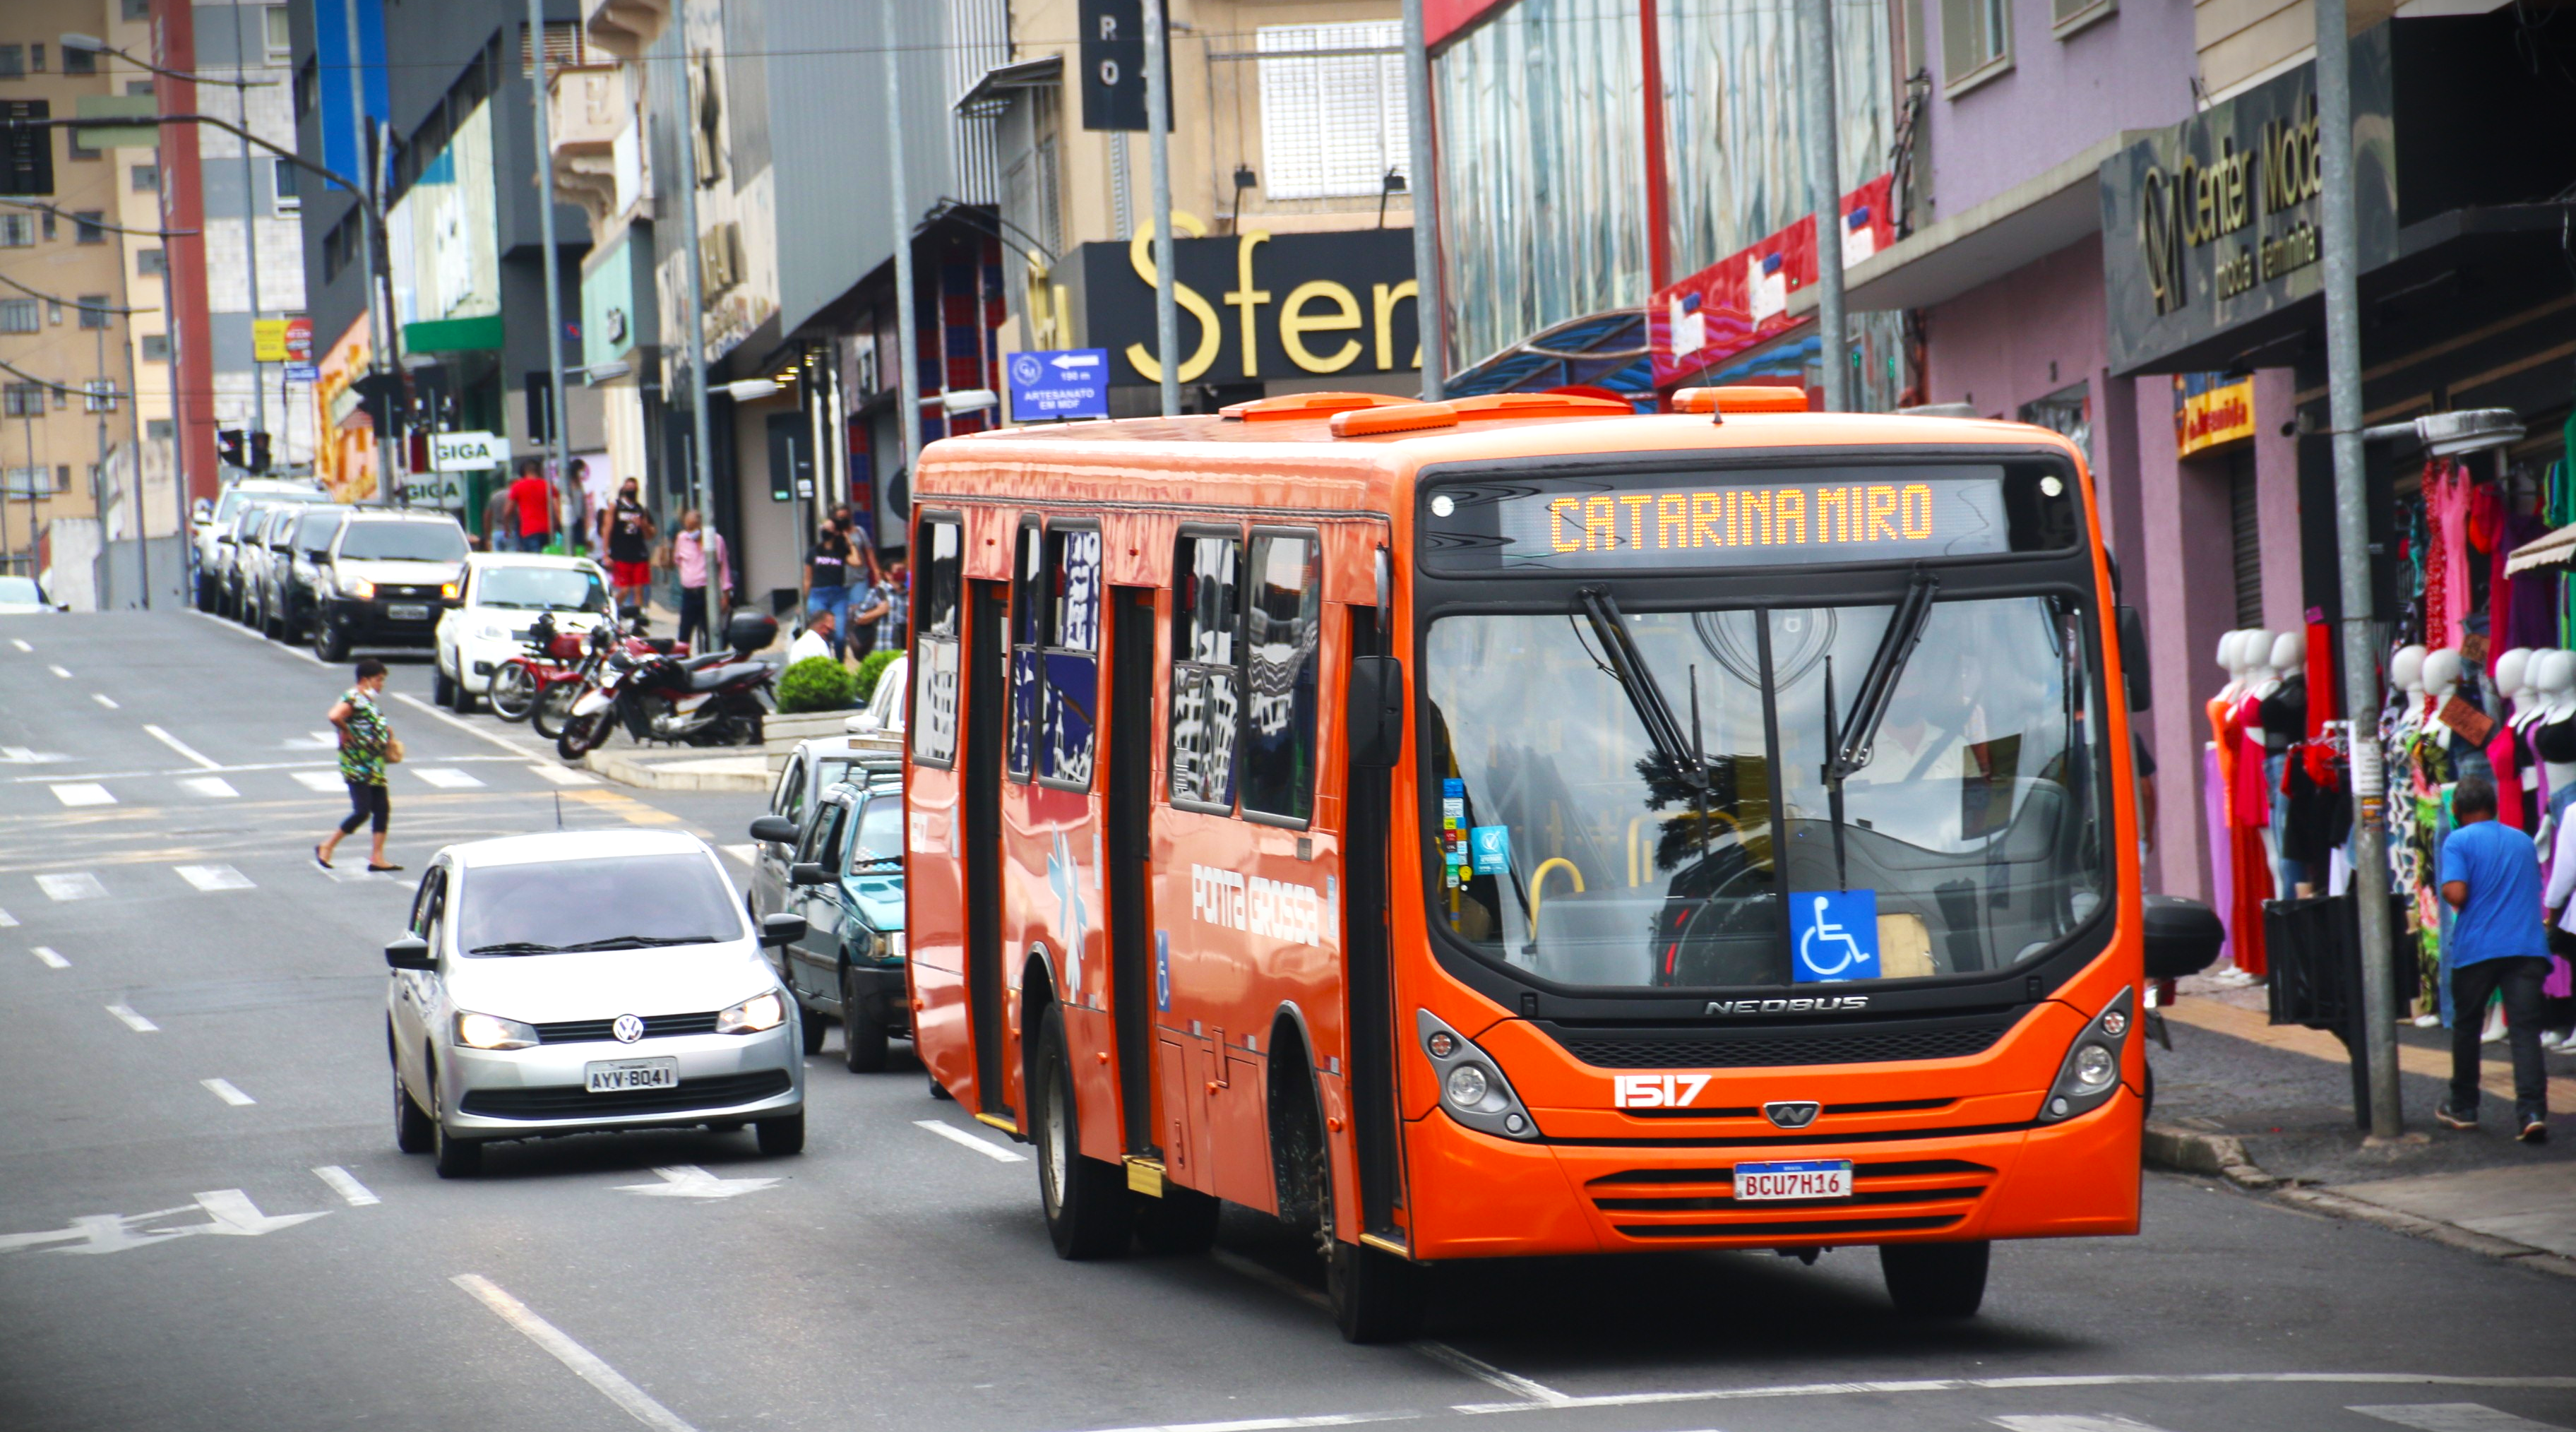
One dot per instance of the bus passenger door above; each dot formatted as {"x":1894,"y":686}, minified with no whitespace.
{"x":1369,"y":976}
{"x":987,"y":650}
{"x":1130,"y":790}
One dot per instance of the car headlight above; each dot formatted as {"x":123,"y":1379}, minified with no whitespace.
{"x":2091,"y":1071}
{"x":894,"y":944}
{"x":361,"y":590}
{"x":761,"y":1011}
{"x":450,"y":589}
{"x":1472,"y":1087}
{"x":490,"y":1031}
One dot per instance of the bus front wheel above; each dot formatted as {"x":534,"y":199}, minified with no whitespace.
{"x":1088,"y":1208}
{"x":1376,"y":1296}
{"x":1935,"y":1280}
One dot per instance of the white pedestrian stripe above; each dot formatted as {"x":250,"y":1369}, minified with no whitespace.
{"x":584,"y":1363}
{"x":223,"y":1089}
{"x":211,"y":787}
{"x":52,"y":960}
{"x":2071,"y":1422}
{"x":103,"y":699}
{"x":194,"y":756}
{"x":214,"y":877}
{"x":446,"y":778}
{"x":58,"y":671}
{"x":565,"y":775}
{"x":356,"y":1194}
{"x":321,"y":781}
{"x":691,"y":1181}
{"x":7,"y":919}
{"x":133,"y":1021}
{"x":83,"y":793}
{"x":346,"y":874}
{"x":79,"y":885}
{"x":28,"y":756}
{"x":957,"y":1135}
{"x":2454,"y":1417}
{"x":313,"y":741}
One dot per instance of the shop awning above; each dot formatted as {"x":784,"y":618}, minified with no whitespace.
{"x":2555,"y":550}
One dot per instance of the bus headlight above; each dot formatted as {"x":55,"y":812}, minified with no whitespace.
{"x":2091,"y":1072}
{"x":1472,"y":1087}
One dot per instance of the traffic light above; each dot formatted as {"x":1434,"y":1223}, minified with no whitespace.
{"x":229,"y":445}
{"x":258,"y":452}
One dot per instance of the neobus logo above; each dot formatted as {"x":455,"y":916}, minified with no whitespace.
{"x":1272,"y":908}
{"x":1788,"y":1006}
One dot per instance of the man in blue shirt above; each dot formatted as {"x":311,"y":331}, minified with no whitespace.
{"x":2491,"y":875}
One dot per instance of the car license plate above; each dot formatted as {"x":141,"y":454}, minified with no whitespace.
{"x":406,"y":612}
{"x":617,"y":1076}
{"x":1800,"y":1179}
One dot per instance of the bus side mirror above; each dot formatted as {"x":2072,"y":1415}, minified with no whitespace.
{"x":2133,"y":659}
{"x":2182,"y":936}
{"x":1376,"y":712}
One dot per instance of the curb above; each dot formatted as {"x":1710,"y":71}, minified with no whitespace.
{"x":645,"y":775}
{"x":2222,"y":1156}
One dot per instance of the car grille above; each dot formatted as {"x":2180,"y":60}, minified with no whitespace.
{"x":572,"y":1101}
{"x":390,"y":592}
{"x":596,"y":1031}
{"x":1670,"y":1048}
{"x":1900,"y":1196}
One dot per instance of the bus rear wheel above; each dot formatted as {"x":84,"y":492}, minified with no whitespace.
{"x":1935,"y":1280}
{"x":1089,"y":1213}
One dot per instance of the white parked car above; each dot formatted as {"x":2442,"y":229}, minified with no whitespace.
{"x":504,"y":593}
{"x":587,"y":980}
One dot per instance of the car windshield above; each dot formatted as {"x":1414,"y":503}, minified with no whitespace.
{"x":618,"y":902}
{"x":16,"y":590}
{"x":314,"y":533}
{"x":1970,"y":838}
{"x":232,"y":501}
{"x":549,"y":589}
{"x":404,"y":542}
{"x":879,"y":848}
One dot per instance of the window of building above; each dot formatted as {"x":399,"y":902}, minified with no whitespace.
{"x":156,"y":347}
{"x":147,"y":178}
{"x":282,"y":179}
{"x":1976,"y":41}
{"x":54,"y":312}
{"x":93,"y":310}
{"x":1207,"y":633}
{"x":80,"y":62}
{"x":139,"y":89}
{"x":281,"y":34}
{"x":151,"y":263}
{"x":89,"y":226}
{"x":35,"y":481}
{"x":22,"y":400}
{"x":13,"y":61}
{"x":160,"y":430}
{"x":100,"y":395}
{"x":26,"y":151}
{"x":138,"y":9}
{"x":48,"y":223}
{"x":36,"y":58}
{"x":17,"y":231}
{"x":20,"y":315}
{"x":72,"y":146}
{"x":1282,"y":621}
{"x":1332,"y":125}
{"x":308,"y":87}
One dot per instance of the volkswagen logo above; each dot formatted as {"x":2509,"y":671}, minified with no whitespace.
{"x":628,"y":1028}
{"x":1786,"y":1113}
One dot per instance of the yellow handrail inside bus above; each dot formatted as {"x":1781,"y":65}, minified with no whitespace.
{"x":1538,"y":882}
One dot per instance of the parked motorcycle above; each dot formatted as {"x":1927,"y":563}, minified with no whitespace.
{"x":722,"y":698}
{"x":549,"y":656}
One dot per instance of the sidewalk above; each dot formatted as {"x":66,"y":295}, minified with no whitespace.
{"x":2271,"y":1108}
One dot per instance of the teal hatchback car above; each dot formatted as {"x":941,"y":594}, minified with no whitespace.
{"x":847,"y":881}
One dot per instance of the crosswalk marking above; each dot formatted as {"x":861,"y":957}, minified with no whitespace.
{"x":79,"y":885}
{"x":313,"y":741}
{"x":214,"y":877}
{"x":351,"y":875}
{"x":103,"y":699}
{"x":2071,"y":1422}
{"x":83,"y":793}
{"x":223,"y":1089}
{"x":2454,"y":1417}
{"x":125,"y":1013}
{"x":565,"y":775}
{"x":343,"y":1183}
{"x":446,"y":778}
{"x":211,"y":787}
{"x":320,"y":780}
{"x":52,"y":960}
{"x":7,"y":919}
{"x":195,"y":757}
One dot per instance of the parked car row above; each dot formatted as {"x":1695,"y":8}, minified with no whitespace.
{"x":284,"y":559}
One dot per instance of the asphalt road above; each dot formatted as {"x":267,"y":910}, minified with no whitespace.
{"x":204,"y":1222}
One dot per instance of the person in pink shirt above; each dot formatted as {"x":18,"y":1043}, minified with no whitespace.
{"x":694,"y":552}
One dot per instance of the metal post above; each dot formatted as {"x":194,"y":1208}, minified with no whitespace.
{"x":1430,"y":319}
{"x":250,"y":226}
{"x":553,"y":263}
{"x":2352,"y":545}
{"x":378,"y":320}
{"x":178,"y":470}
{"x":1158,"y":146}
{"x":106,"y":566}
{"x":695,"y":336}
{"x":1824,"y":192}
{"x":907,"y":346}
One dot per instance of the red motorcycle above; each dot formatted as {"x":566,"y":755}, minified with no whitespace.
{"x":548,"y":657}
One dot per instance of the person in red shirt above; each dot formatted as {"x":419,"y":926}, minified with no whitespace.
{"x":535,"y":499}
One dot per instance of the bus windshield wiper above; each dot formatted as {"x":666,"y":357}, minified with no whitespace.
{"x":1628,"y":667}
{"x":1878,"y":684}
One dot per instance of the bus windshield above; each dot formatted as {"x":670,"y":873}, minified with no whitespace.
{"x":1966,"y":835}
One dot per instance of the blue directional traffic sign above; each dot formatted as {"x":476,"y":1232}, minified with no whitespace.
{"x":1059,"y":383}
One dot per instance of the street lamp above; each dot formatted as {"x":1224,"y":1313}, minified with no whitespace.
{"x":2454,"y":434}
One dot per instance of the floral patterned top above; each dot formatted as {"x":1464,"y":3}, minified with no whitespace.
{"x":362,"y":740}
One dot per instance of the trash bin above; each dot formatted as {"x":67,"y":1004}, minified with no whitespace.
{"x":2314,"y":946}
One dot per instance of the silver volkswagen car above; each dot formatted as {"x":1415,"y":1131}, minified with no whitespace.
{"x":587,"y":980}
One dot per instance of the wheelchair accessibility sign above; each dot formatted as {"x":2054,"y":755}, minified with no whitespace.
{"x":1835,"y":935}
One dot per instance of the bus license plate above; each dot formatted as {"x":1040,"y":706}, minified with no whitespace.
{"x":616,"y":1076}
{"x":1801,"y":1179}
{"x":406,"y":612}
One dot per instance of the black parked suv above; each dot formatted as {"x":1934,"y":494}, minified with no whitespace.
{"x":385,"y":579}
{"x":298,"y":577}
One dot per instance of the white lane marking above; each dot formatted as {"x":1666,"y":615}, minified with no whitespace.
{"x":214,"y":877}
{"x":446,"y":778}
{"x":58,"y":671}
{"x":211,"y":787}
{"x":194,"y":756}
{"x":960,"y":1136}
{"x":2012,"y":1384}
{"x":83,"y":793}
{"x":1272,"y":1424}
{"x":22,"y":646}
{"x":565,"y":775}
{"x":1536,"y":1393}
{"x":691,"y":1181}
{"x":321,"y":780}
{"x":79,"y":885}
{"x":103,"y":699}
{"x":584,"y":1363}
{"x":2454,"y":1417}
{"x":352,"y":1192}
{"x":2071,"y":1422}
{"x":29,"y":756}
{"x":748,"y":854}
{"x":468,"y":727}
{"x":7,"y":919}
{"x":133,"y":1021}
{"x":53,"y":960}
{"x":223,"y":1089}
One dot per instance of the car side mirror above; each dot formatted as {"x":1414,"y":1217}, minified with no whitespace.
{"x":1375,"y":712}
{"x":807,"y":872}
{"x":2133,"y":660}
{"x":202,"y":510}
{"x":411,"y":952}
{"x":781,"y":929}
{"x":2182,"y":936}
{"x":775,"y":829}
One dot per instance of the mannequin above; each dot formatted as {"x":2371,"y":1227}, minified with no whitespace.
{"x":2553,"y":735}
{"x":2283,"y":723}
{"x":2406,"y":674}
{"x":2252,"y":853}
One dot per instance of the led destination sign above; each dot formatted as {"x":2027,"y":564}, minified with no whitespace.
{"x":1848,"y":515}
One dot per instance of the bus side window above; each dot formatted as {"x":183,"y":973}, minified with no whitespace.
{"x":1070,"y":706}
{"x":1028,"y":627}
{"x":1282,"y":622}
{"x":934,"y":657}
{"x":1206,"y":687}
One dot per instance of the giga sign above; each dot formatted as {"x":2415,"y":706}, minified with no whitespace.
{"x":1253,"y":305}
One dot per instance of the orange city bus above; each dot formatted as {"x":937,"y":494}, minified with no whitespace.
{"x":1517,"y":826}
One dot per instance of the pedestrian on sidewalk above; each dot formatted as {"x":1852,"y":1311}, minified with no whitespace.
{"x":2491,"y":875}
{"x":535,"y":499}
{"x":500,"y":520}
{"x":704,"y":566}
{"x":366,"y":744}
{"x":827,"y":573}
{"x":626,"y":533}
{"x":816,"y":640}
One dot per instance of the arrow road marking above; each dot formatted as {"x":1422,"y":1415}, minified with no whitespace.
{"x":232,"y":1213}
{"x":691,"y":1181}
{"x":80,"y":885}
{"x":584,"y":1363}
{"x":235,"y":1216}
{"x":957,"y":1135}
{"x":116,"y":1233}
{"x":194,"y":756}
{"x":223,"y":1089}
{"x":52,"y":960}
{"x":356,"y":1194}
{"x":133,"y":1021}
{"x":214,"y":877}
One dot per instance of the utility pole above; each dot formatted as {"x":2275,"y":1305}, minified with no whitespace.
{"x":907,"y":346}
{"x":696,"y":338}
{"x":1158,"y":146}
{"x":554,"y":279}
{"x":1428,"y":315}
{"x":106,"y":565}
{"x":2352,"y":547}
{"x":379,"y":321}
{"x":250,"y":236}
{"x":1824,"y":192}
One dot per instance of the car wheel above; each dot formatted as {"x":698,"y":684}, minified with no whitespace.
{"x":1935,"y":1280}
{"x":781,"y":1137}
{"x":442,"y":690}
{"x":863,"y":1035}
{"x":205,"y":594}
{"x":330,"y":642}
{"x":457,"y":1158}
{"x":412,"y":1128}
{"x":939,"y":1091}
{"x":1089,"y":1213}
